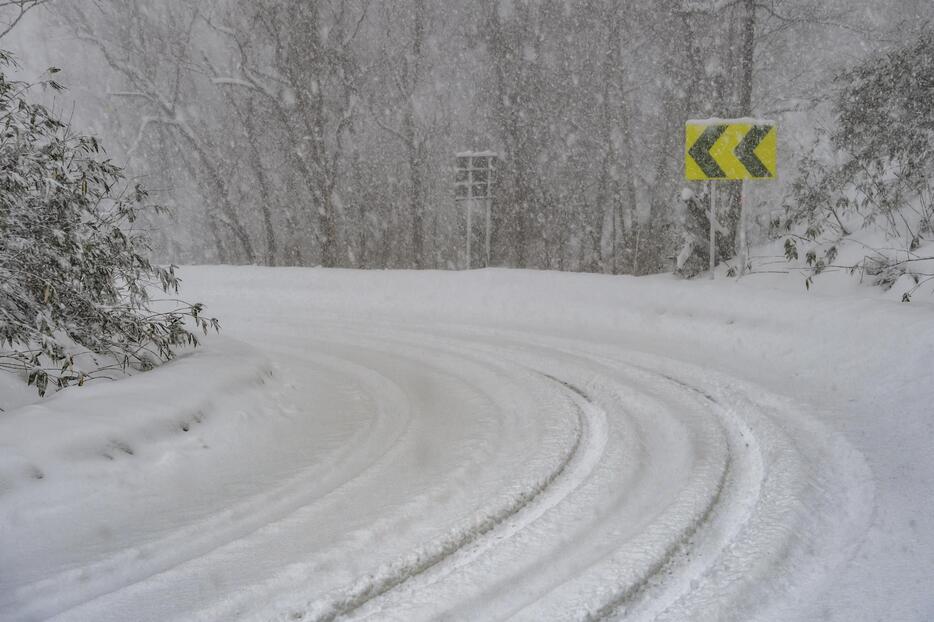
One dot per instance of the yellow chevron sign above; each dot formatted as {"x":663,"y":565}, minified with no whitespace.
{"x":730,"y":149}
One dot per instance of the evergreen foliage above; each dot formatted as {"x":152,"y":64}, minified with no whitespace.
{"x":882,"y":172}
{"x":74,"y":273}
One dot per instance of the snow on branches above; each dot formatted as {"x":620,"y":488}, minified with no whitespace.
{"x":74,"y":276}
{"x":864,"y":199}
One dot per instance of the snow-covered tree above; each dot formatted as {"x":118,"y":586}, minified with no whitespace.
{"x":873,"y":171}
{"x":304,"y":133}
{"x":75,"y":279}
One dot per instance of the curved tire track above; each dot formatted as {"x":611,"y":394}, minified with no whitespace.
{"x":476,"y":537}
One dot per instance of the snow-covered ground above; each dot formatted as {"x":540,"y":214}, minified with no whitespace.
{"x":484,"y":445}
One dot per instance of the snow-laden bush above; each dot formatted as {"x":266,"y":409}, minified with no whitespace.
{"x":74,"y":276}
{"x":869,"y":183}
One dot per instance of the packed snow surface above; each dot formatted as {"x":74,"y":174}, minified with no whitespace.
{"x":487,"y":445}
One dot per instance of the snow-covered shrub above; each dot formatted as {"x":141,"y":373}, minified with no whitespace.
{"x":73,"y":269}
{"x":868,"y":185}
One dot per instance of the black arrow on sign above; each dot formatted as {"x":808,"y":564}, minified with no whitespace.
{"x":745,"y":151}
{"x":700,"y":151}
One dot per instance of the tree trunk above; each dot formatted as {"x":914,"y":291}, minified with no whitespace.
{"x":747,"y":58}
{"x":412,"y":142}
{"x":232,"y":219}
{"x":609,"y":196}
{"x":747,"y":68}
{"x":262,"y":182}
{"x":518,"y":156}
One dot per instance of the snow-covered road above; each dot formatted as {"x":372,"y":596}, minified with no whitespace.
{"x":485,"y":446}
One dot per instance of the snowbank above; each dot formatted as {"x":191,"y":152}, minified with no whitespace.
{"x":226,"y":450}
{"x":118,"y":420}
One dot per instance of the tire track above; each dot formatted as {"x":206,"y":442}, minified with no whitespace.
{"x":540,"y":362}
{"x":438,"y":559}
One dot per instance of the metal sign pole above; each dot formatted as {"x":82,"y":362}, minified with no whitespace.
{"x":712,"y":191}
{"x":743,"y":250}
{"x":730,"y":149}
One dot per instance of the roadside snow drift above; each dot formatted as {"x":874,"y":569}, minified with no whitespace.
{"x":488,"y":445}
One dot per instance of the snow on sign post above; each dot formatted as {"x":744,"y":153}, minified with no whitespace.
{"x":727,"y":150}
{"x":473,"y":181}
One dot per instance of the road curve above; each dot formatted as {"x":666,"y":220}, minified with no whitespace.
{"x":493,"y":474}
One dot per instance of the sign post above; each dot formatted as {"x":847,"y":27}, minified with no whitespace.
{"x":473,"y":181}
{"x":729,"y":149}
{"x":743,"y":251}
{"x":712,"y":221}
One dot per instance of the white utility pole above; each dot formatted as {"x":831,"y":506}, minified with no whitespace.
{"x":473,"y":181}
{"x":469,"y":227}
{"x":743,"y":249}
{"x":712,"y":191}
{"x":489,"y":209}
